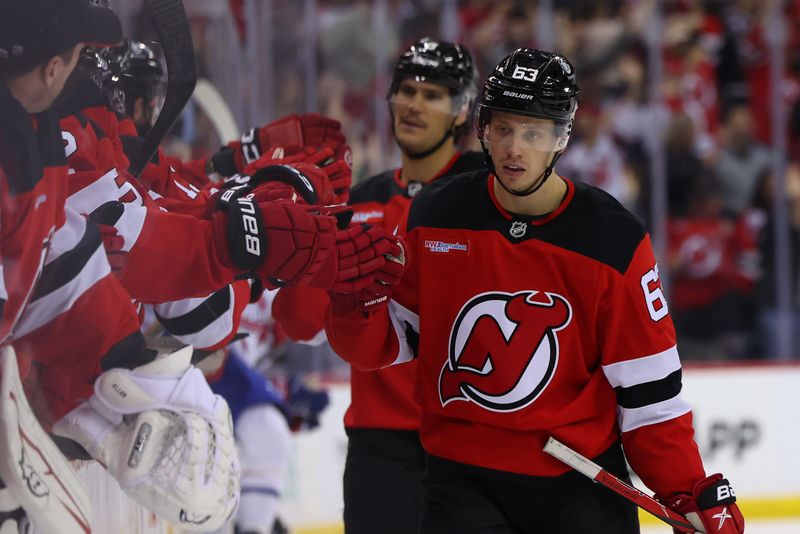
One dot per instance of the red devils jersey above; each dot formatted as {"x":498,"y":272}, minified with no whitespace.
{"x":380,"y":399}
{"x":712,"y":256}
{"x":525,"y":328}
{"x":209,"y":310}
{"x":383,"y":399}
{"x":59,"y":304}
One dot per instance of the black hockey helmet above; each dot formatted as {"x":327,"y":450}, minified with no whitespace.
{"x":533,"y":83}
{"x":124,"y":73}
{"x":440,"y":62}
{"x":443,"y":63}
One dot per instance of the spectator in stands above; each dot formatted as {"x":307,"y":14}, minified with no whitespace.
{"x":685,"y":169}
{"x":741,"y":161}
{"x":594,"y":157}
{"x":712,"y":284}
{"x":766,"y":295}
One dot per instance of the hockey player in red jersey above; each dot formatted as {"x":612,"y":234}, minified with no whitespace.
{"x":430,"y":99}
{"x":533,"y":307}
{"x":61,"y":309}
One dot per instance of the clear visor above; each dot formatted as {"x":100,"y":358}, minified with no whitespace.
{"x":528,"y":133}
{"x":425,"y":97}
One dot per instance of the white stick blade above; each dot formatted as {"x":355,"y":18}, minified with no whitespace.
{"x":580,"y":463}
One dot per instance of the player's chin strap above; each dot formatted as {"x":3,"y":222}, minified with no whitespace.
{"x":535,"y":186}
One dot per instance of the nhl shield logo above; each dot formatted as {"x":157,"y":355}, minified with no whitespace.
{"x":518,"y":229}
{"x":414,"y":188}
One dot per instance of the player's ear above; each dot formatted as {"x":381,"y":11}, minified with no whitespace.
{"x":463,"y":114}
{"x":48,"y":71}
{"x":139,"y":110}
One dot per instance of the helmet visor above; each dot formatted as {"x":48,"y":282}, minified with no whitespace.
{"x":428,"y":97}
{"x":502,"y":129}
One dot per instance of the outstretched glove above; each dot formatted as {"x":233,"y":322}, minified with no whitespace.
{"x":360,"y":255}
{"x":292,"y":130}
{"x":275,"y":239}
{"x":375,"y":294}
{"x":337,"y":167}
{"x":318,"y":164}
{"x":711,"y":507}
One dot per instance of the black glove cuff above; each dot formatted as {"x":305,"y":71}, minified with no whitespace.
{"x":251,"y":148}
{"x":223,"y":162}
{"x":718,"y":494}
{"x":247,"y":238}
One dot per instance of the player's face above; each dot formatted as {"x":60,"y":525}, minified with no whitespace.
{"x":521,"y":147}
{"x":422,"y":114}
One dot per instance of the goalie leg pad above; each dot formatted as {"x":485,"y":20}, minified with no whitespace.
{"x":34,"y":471}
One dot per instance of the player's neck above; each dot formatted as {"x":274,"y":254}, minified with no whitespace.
{"x":22,"y":89}
{"x":545,"y":200}
{"x":426,"y":169}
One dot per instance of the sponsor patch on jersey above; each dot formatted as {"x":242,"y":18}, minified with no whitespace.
{"x":435,"y":246}
{"x":367,"y":216}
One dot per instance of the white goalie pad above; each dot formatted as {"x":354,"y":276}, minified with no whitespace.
{"x":35,"y":472}
{"x":166,"y":438}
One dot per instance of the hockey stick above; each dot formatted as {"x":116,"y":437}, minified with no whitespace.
{"x":599,"y":475}
{"x":172,"y":26}
{"x":210,"y":100}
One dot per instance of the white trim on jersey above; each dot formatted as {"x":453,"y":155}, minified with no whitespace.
{"x":400,"y":315}
{"x":210,"y":334}
{"x":633,"y":418}
{"x":641,"y":370}
{"x":86,"y":199}
{"x":42,"y":310}
{"x":3,"y":291}
{"x":89,"y":198}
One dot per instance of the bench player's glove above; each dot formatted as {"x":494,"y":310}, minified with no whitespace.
{"x":260,"y":229}
{"x":308,"y":130}
{"x":165,"y":437}
{"x":711,"y":507}
{"x":331,"y":176}
{"x":337,"y":167}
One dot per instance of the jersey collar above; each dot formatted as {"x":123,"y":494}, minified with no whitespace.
{"x":534,"y":220}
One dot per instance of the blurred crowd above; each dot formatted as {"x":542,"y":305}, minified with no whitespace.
{"x":713,"y":120}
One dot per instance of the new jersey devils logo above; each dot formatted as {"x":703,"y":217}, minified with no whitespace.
{"x":503,"y":349}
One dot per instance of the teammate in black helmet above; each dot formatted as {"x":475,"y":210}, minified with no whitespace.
{"x":532,"y":308}
{"x":431,"y":97}
{"x":131,"y":78}
{"x":434,"y":70}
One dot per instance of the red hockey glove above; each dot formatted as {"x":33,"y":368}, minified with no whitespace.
{"x":337,"y":166}
{"x":299,"y":182}
{"x":367,"y":259}
{"x":292,"y":130}
{"x":711,"y":507}
{"x":335,"y":175}
{"x":113,"y":243}
{"x":278,"y":240}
